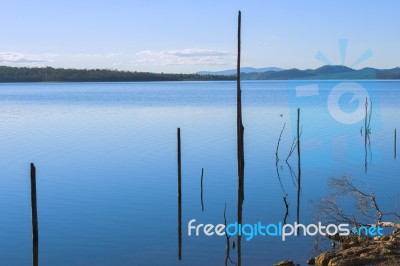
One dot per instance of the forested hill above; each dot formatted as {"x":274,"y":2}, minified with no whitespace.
{"x":49,"y":74}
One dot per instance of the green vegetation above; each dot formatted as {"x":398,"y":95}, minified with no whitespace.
{"x":49,"y":74}
{"x":328,"y":72}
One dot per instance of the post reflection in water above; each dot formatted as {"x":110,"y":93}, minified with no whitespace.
{"x":367,"y":133}
{"x":35,"y":230}
{"x":35,"y":252}
{"x":284,"y":193}
{"x":367,"y":151}
{"x":240,"y":218}
{"x":278,"y":174}
{"x":228,"y":245}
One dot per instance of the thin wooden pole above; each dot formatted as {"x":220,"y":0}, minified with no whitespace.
{"x":395,"y":143}
{"x":240,"y":146}
{"x":240,"y":128}
{"x":298,"y":166}
{"x":201,"y":189}
{"x":366,"y":136}
{"x":35,"y":230}
{"x":179,"y":197}
{"x":366,"y":118}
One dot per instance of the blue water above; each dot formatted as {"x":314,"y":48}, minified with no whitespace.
{"x":106,"y":164}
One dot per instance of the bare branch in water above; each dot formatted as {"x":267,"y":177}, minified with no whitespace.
{"x":277,"y":145}
{"x":292,"y":148}
{"x":331,"y":211}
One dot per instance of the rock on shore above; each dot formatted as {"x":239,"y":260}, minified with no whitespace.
{"x":382,"y":250}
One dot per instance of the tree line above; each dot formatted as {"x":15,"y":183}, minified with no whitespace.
{"x":50,"y":74}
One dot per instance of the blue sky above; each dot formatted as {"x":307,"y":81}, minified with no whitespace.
{"x":189,"y":36}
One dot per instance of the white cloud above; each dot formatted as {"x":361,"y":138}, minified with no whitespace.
{"x":85,"y":55}
{"x":19,"y":58}
{"x":113,"y":54}
{"x":193,"y":56}
{"x":96,"y":55}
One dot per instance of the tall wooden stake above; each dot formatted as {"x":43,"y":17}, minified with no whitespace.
{"x":395,"y":143}
{"x":240,"y":146}
{"x":298,"y":166}
{"x":240,"y":127}
{"x":201,"y":189}
{"x":179,"y":197}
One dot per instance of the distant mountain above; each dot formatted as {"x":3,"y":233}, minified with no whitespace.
{"x":242,"y":70}
{"x":332,"y":69}
{"x":393,"y":73}
{"x":325,"y":72}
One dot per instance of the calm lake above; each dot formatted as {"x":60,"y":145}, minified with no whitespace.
{"x":106,"y":159}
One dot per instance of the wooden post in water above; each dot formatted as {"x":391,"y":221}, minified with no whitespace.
{"x":395,"y":143}
{"x":240,"y":128}
{"x":201,"y":189}
{"x":179,"y":197}
{"x":240,"y":146}
{"x":366,"y":117}
{"x":35,"y":230}
{"x":298,"y":142}
{"x":298,"y":166}
{"x":366,"y":136}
